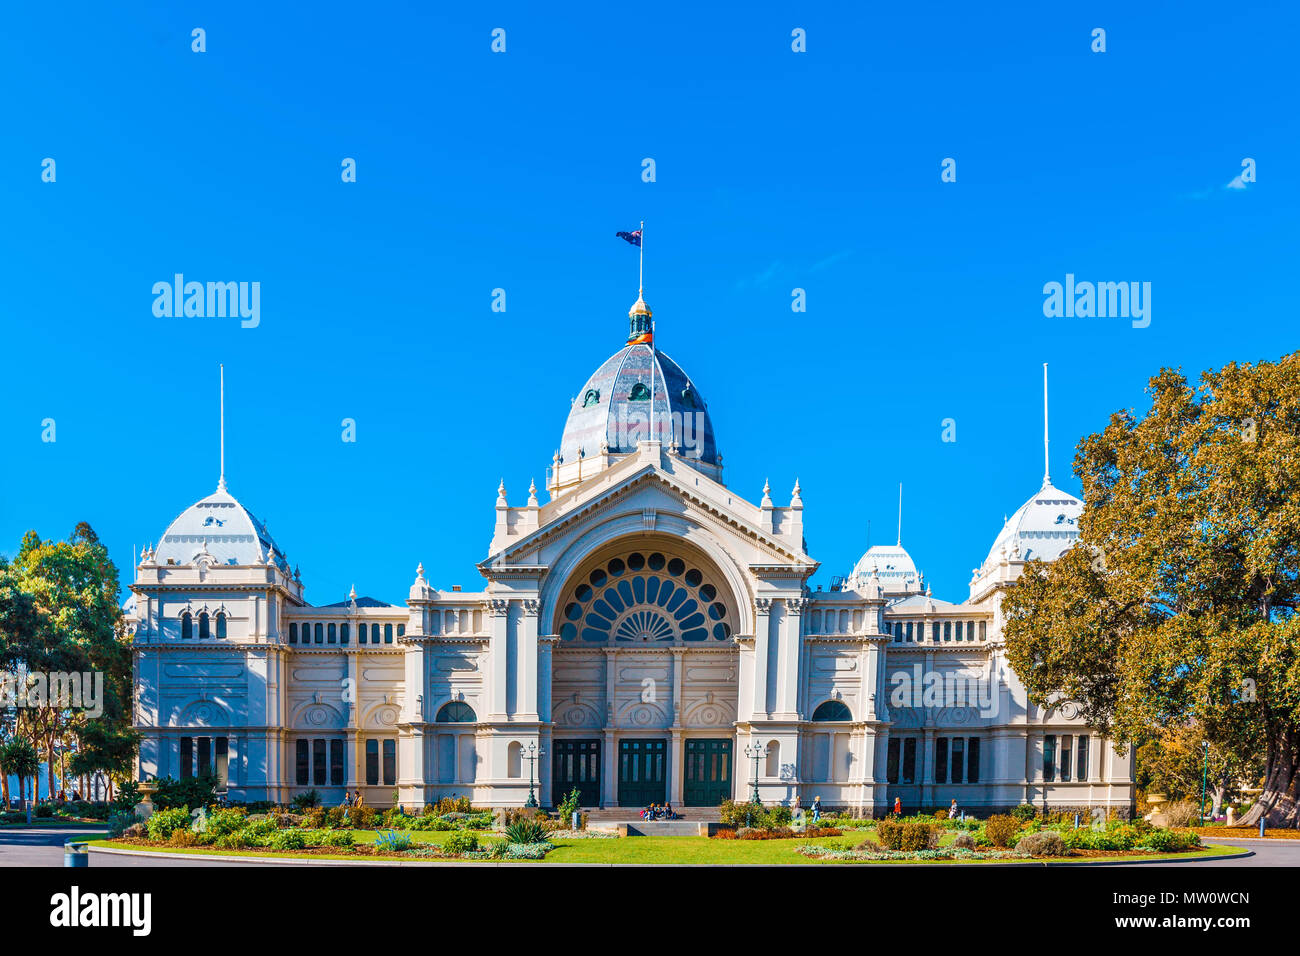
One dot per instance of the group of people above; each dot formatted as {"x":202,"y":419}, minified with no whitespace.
{"x":658,"y":812}
{"x":953,"y":812}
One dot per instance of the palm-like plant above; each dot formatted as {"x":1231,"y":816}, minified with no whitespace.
{"x":19,"y":757}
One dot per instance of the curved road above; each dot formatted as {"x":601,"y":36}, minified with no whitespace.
{"x":43,"y":846}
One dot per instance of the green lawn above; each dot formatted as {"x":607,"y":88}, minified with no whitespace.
{"x":658,"y":850}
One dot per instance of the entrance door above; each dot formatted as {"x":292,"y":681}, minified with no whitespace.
{"x":576,"y":764}
{"x":642,"y":772}
{"x":708,"y":772}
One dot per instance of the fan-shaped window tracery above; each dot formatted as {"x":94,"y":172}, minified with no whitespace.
{"x":644,"y":597}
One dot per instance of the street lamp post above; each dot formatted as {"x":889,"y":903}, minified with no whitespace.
{"x":531,"y":754}
{"x":754,"y":752}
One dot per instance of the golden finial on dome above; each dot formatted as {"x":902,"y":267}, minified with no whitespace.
{"x":639,"y":307}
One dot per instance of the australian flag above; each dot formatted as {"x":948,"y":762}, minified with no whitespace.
{"x":632,"y":237}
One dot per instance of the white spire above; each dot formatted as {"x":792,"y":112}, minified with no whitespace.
{"x":221,"y":481}
{"x":900,"y":514}
{"x":1047,"y":476}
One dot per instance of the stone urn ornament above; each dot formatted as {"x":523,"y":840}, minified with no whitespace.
{"x":144,"y":809}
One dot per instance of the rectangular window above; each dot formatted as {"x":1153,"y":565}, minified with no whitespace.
{"x":222,"y":762}
{"x":390,"y":762}
{"x":388,"y":633}
{"x":934,"y":631}
{"x":891,"y":761}
{"x":304,"y":764}
{"x":984,"y":630}
{"x":205,"y":755}
{"x":343,"y":634}
{"x":293,"y":633}
{"x":1065,"y":756}
{"x":909,"y":630}
{"x":941,"y":760}
{"x":372,"y":762}
{"x":320,"y":634}
{"x":909,"y":760}
{"x":401,"y":630}
{"x":973,"y":760}
{"x":947,"y":630}
{"x":1049,"y":757}
{"x":318,"y":762}
{"x":336,"y":763}
{"x":1083,"y":757}
{"x":331,"y":635}
{"x":187,"y":757}
{"x":958,"y":759}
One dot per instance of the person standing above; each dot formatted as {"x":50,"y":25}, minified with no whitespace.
{"x":898,"y":806}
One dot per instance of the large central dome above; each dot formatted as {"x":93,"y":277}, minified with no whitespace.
{"x":613,"y":410}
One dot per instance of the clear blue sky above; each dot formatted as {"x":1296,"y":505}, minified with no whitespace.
{"x":476,"y":170}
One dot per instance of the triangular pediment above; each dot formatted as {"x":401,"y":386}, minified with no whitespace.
{"x":677,"y":487}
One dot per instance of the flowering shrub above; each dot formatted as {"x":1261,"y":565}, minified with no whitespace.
{"x":287,"y":840}
{"x":461,"y":841}
{"x":1000,"y":829}
{"x":908,"y":835}
{"x":164,"y":823}
{"x":224,"y":822}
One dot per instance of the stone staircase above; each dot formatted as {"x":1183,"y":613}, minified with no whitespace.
{"x":692,"y":821}
{"x":613,"y":815}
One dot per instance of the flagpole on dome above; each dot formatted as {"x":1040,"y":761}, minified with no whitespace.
{"x":221,"y":480}
{"x":654,"y":435}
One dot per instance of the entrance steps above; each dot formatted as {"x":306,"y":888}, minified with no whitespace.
{"x":633,"y":815}
{"x":692,"y":821}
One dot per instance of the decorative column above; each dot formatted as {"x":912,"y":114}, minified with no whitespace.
{"x":791,"y":641}
{"x":609,"y":759}
{"x":676,"y":759}
{"x":498,"y":658}
{"x":526,"y":696}
{"x":762,"y":636}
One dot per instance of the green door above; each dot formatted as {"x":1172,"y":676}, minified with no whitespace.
{"x":576,"y":764}
{"x":642,"y":772}
{"x":708,"y":772}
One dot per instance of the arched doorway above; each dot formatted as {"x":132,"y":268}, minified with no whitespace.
{"x":644,"y":676}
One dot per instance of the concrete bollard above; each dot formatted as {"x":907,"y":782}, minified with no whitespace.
{"x":1261,"y":827}
{"x":75,"y":854}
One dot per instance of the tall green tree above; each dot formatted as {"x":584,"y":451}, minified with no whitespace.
{"x":59,"y":613}
{"x":1179,"y":602}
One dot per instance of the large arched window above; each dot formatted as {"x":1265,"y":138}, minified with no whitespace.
{"x":204,"y":632}
{"x":221,"y":624}
{"x":832,"y":710}
{"x":644,"y":597}
{"x":187,"y":626}
{"x":456,"y":712}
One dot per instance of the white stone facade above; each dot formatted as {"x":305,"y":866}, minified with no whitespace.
{"x":642,"y":629}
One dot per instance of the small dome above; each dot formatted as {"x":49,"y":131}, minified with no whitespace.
{"x":1044,"y":527}
{"x":223,"y":528}
{"x":612,"y":412}
{"x":890,"y":561}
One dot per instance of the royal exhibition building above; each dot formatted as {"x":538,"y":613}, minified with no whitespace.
{"x":646,"y":634}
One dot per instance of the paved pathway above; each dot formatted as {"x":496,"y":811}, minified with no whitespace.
{"x":43,"y":846}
